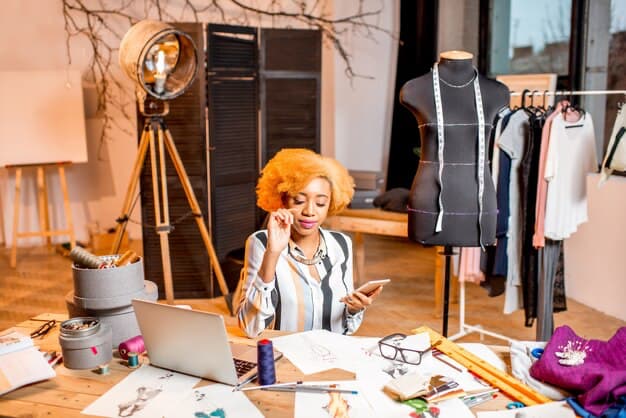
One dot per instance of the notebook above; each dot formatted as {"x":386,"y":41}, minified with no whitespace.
{"x":195,"y":343}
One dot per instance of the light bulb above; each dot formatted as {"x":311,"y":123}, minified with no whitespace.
{"x":159,"y":76}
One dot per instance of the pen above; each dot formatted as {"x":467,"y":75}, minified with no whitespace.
{"x":275,"y":385}
{"x":310,"y":389}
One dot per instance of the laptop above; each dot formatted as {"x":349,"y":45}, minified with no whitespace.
{"x":195,"y":343}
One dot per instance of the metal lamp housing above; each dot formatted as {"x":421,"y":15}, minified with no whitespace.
{"x":177,"y":58}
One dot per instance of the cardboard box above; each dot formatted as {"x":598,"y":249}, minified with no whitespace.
{"x":101,"y":243}
{"x":368,"y":180}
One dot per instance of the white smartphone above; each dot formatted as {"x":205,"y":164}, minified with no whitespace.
{"x":371,"y":286}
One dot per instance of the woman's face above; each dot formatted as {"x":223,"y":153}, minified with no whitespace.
{"x":310,"y":206}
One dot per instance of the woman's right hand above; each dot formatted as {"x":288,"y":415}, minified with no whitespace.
{"x":279,"y":230}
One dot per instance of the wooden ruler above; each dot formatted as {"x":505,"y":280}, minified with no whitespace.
{"x":490,"y":374}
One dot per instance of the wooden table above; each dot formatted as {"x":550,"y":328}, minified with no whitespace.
{"x":72,"y":390}
{"x":381,"y":222}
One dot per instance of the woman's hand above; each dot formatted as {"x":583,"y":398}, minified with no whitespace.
{"x":279,"y":230}
{"x":357,"y":301}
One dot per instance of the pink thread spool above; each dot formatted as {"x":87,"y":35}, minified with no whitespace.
{"x":132,"y":345}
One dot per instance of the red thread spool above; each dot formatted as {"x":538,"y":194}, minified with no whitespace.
{"x":132,"y":345}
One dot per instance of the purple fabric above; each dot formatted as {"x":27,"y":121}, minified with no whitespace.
{"x":599,"y":381}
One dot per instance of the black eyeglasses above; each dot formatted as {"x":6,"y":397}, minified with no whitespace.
{"x":44,"y":329}
{"x":390,"y":349}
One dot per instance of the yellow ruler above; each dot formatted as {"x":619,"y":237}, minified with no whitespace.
{"x":490,"y":374}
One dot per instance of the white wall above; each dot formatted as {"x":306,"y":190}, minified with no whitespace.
{"x":595,"y":266}
{"x":355,"y":118}
{"x":363,"y":106}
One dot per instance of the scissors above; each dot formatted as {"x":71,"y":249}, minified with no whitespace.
{"x":515,"y":405}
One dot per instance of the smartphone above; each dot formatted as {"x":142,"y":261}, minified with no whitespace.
{"x":369,"y":287}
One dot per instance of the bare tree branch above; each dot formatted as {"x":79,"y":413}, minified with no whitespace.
{"x":103,"y":24}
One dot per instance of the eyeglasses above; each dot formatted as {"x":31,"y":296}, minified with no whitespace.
{"x":389,"y":347}
{"x":44,"y":329}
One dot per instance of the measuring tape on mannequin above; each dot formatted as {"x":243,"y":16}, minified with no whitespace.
{"x":441,"y":141}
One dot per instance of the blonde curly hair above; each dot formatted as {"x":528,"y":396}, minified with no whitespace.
{"x":291,"y":169}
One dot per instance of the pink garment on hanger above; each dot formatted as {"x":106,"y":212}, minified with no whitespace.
{"x":469,"y":265}
{"x":539,"y":239}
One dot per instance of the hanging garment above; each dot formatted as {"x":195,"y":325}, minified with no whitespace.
{"x":513,"y":142}
{"x":542,"y":184}
{"x":529,"y":168}
{"x":571,"y":156}
{"x":615,"y":157}
{"x":469,"y":265}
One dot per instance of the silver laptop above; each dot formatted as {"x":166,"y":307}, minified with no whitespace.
{"x":194,"y":342}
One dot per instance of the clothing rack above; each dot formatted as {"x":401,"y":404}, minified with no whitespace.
{"x":568,"y":92}
{"x":465,"y":329}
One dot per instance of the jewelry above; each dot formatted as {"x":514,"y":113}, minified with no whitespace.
{"x":460,"y":86}
{"x":574,"y":353}
{"x":320,"y":253}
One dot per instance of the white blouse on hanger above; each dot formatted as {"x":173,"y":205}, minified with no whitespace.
{"x":571,"y":155}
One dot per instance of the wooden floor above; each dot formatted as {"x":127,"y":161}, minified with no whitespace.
{"x":43,"y":278}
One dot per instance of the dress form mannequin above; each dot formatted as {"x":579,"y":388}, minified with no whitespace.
{"x":459,"y":219}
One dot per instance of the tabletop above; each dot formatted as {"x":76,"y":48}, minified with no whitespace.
{"x":72,"y":390}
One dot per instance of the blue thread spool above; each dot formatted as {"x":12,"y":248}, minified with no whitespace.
{"x":265,"y":362}
{"x":133,"y":360}
{"x":514,"y":405}
{"x":536,"y":352}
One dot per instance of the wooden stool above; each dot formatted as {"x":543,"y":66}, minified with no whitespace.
{"x":42,"y":205}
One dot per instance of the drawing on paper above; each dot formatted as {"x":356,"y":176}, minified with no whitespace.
{"x":337,"y":406}
{"x":320,"y":352}
{"x":144,"y":395}
{"x":219,"y":413}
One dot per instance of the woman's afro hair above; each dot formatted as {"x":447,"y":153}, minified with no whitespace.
{"x":291,"y":169}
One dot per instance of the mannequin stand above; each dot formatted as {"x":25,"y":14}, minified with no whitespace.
{"x":447,"y":253}
{"x":155,"y":127}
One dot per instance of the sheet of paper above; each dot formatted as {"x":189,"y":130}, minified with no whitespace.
{"x":146,"y":392}
{"x":14,"y":341}
{"x":552,"y":410}
{"x":319,"y":350}
{"x":215,"y":401}
{"x":22,"y":367}
{"x":315,"y":405}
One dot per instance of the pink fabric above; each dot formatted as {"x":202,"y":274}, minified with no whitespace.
{"x":539,"y":239}
{"x":599,"y":381}
{"x":469,"y":265}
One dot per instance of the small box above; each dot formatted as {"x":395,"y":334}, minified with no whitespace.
{"x":364,"y":199}
{"x":368,"y":180}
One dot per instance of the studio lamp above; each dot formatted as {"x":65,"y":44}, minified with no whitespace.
{"x":162,"y":61}
{"x":159,"y":58}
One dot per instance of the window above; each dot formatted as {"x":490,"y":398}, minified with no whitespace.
{"x":529,"y":36}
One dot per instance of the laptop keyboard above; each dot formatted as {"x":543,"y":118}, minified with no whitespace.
{"x":243,"y":366}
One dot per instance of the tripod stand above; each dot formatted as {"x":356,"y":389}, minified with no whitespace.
{"x":155,"y":126}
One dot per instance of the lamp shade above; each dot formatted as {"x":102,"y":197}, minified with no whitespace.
{"x":161,"y":59}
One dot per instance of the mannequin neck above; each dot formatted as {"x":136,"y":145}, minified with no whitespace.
{"x":456,"y":71}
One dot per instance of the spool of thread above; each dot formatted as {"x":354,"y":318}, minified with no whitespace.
{"x":103,"y":369}
{"x":83,"y":257}
{"x":128,"y":257}
{"x":133,"y":360}
{"x":265,"y":362}
{"x":132,"y":345}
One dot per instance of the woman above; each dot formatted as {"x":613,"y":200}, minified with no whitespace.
{"x":298,"y":276}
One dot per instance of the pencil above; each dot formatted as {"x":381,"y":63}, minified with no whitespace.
{"x":275,"y":385}
{"x":310,"y":389}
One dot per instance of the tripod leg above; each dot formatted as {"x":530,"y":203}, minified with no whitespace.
{"x":162,"y":223}
{"x":193,"y":202}
{"x":132,"y":186}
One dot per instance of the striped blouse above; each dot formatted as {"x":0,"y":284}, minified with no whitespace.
{"x":295,"y":300}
